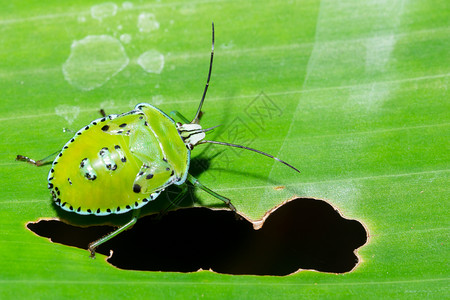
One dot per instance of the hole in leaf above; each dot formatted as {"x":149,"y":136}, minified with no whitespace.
{"x":301,"y":234}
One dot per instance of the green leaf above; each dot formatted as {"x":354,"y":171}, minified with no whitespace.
{"x":352,"y":93}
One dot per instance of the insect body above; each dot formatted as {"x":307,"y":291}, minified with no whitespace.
{"x":121,"y":162}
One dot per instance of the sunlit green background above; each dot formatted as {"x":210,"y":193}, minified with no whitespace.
{"x":353,"y":93}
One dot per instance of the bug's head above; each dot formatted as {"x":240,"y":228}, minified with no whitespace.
{"x":192,"y":134}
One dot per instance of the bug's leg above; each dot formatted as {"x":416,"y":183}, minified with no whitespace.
{"x":176,"y":201}
{"x":45,"y":161}
{"x":95,"y":244}
{"x":177,"y":114}
{"x":102,"y":112}
{"x":197,"y":183}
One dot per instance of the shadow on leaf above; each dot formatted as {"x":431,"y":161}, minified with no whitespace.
{"x":301,"y":234}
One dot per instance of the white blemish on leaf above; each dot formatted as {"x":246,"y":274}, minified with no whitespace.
{"x":125,"y":38}
{"x":378,"y":52}
{"x":228,"y":45}
{"x":93,"y":61}
{"x":151,"y":61}
{"x":68,"y":112}
{"x":103,"y":10}
{"x":369,"y":97}
{"x":107,"y":105}
{"x":188,"y":9}
{"x":127,"y":5}
{"x":147,"y":22}
{"x":157,"y":99}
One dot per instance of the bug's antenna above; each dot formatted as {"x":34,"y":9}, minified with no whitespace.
{"x":196,"y":119}
{"x":210,"y":128}
{"x":251,"y":149}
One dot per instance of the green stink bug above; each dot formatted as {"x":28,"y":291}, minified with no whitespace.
{"x":119,"y":163}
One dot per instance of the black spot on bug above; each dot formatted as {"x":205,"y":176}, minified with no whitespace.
{"x":72,"y":140}
{"x":98,"y":210}
{"x":94,"y":123}
{"x":145,"y":200}
{"x":116,"y":147}
{"x":89,"y":210}
{"x":136,"y":204}
{"x":89,"y":176}
{"x":105,"y":128}
{"x":103,"y":120}
{"x":60,"y":154}
{"x":145,"y":123}
{"x":173,"y":172}
{"x":62,"y":205}
{"x":111,"y":167}
{"x":108,"y":210}
{"x":71,"y":207}
{"x":118,"y":208}
{"x":58,"y":192}
{"x":141,"y":173}
{"x":79,"y":209}
{"x":119,"y":131}
{"x":82,"y":162}
{"x":86,"y":128}
{"x":50,"y":178}
{"x":79,"y":133}
{"x":123,"y":125}
{"x":128,"y":207}
{"x":65,"y":147}
{"x":55,"y":163}
{"x":103,"y":150}
{"x":141,"y":117}
{"x":149,"y":176}
{"x":165,"y":159}
{"x":167,"y":169}
{"x":58,"y":201}
{"x":70,"y":181}
{"x":50,"y":186}
{"x":136,"y":188}
{"x":123,"y":159}
{"x":52,"y":170}
{"x":128,"y":132}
